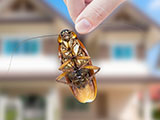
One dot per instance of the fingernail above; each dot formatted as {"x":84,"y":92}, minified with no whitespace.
{"x":83,"y":26}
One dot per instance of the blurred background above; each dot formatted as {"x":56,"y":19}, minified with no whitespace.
{"x":126,"y":47}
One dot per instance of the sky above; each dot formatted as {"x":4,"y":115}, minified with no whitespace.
{"x":152,"y":57}
{"x":149,"y":7}
{"x":60,"y":6}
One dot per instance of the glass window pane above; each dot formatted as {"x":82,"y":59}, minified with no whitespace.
{"x":30,"y":47}
{"x":122,"y":51}
{"x":10,"y":46}
{"x":128,"y":52}
{"x":34,"y":47}
{"x":16,"y":46}
{"x":25,"y":47}
{"x":118,"y":52}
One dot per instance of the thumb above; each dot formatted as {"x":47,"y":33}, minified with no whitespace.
{"x":94,"y":14}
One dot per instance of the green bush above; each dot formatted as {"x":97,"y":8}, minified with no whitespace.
{"x":156,"y":113}
{"x":11,"y":114}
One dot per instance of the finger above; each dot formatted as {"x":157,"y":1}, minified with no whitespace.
{"x":75,"y":7}
{"x":64,"y":1}
{"x":88,"y":1}
{"x":94,"y":14}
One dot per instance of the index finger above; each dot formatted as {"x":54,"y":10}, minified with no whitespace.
{"x":75,"y":7}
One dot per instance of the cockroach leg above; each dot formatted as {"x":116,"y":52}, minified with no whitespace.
{"x":58,"y":79}
{"x":82,"y":66}
{"x":83,"y":57}
{"x":68,"y":70}
{"x":61,"y":76}
{"x":63,"y":52}
{"x":93,"y":68}
{"x":64,"y":82}
{"x":64,"y":64}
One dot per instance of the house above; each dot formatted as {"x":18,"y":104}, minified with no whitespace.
{"x":28,"y":89}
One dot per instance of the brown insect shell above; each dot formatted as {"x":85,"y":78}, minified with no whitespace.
{"x":87,"y":94}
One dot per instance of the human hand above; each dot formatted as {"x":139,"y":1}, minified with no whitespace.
{"x":88,"y":14}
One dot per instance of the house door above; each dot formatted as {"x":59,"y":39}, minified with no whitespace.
{"x":34,"y":107}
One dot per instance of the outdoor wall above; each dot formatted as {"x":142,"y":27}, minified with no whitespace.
{"x":120,"y":105}
{"x":31,"y":29}
{"x":122,"y":101}
{"x":153,"y":37}
{"x":26,"y":29}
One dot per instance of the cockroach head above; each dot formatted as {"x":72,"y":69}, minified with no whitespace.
{"x":65,"y":31}
{"x":66,"y":35}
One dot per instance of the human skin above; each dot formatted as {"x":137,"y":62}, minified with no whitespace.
{"x":88,"y":14}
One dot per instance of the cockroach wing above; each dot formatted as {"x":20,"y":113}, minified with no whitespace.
{"x":89,"y":92}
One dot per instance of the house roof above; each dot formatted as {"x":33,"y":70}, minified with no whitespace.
{"x":42,"y":4}
{"x":52,"y":10}
{"x":130,"y":10}
{"x":143,"y":15}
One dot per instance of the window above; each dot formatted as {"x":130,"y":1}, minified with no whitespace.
{"x":16,"y":46}
{"x":72,"y":104}
{"x":122,"y":51}
{"x":34,"y":107}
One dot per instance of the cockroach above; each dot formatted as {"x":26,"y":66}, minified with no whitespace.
{"x":77,"y":67}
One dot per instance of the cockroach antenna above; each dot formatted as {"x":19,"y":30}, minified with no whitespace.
{"x":42,"y":36}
